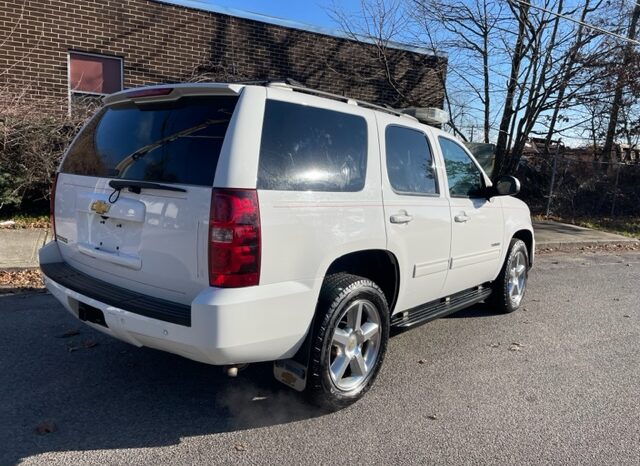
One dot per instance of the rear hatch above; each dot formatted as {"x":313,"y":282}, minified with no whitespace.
{"x":134,"y":191}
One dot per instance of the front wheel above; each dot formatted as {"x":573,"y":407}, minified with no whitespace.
{"x":509,"y":287}
{"x":349,"y":341}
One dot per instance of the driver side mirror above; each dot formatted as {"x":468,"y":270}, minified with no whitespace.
{"x":507,"y":186}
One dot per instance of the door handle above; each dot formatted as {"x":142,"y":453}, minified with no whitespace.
{"x":461,"y":218}
{"x":401,"y":217}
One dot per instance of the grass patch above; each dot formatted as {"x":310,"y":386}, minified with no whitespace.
{"x":623,"y":226}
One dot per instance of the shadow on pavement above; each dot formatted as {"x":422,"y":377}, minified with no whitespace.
{"x":113,"y":395}
{"x":477,"y":310}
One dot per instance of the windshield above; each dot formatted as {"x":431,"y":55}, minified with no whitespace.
{"x":170,"y":142}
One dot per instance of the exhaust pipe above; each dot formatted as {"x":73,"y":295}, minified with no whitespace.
{"x":232,"y":371}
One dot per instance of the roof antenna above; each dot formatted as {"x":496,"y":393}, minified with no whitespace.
{"x":293,"y":82}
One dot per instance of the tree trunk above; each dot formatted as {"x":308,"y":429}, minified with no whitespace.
{"x":570,"y":62}
{"x":621,"y":83}
{"x":501,"y":145}
{"x":487,"y":93}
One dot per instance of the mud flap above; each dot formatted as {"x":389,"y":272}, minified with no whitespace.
{"x":293,"y":372}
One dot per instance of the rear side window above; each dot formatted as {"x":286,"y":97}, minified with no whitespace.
{"x":311,"y":149}
{"x":171,"y":142}
{"x":409,"y":161}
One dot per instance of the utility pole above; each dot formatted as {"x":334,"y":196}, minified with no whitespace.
{"x":553,"y":177}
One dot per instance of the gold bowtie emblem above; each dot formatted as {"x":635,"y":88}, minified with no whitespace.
{"x":100,"y":207}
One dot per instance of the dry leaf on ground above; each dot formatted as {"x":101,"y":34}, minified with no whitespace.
{"x":20,"y":280}
{"x":516,"y":347}
{"x":70,"y":333}
{"x":25,"y":222}
{"x":46,"y":427}
{"x":84,"y":345}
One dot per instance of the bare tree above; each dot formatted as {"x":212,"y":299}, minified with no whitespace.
{"x":570,"y":68}
{"x":621,"y":82}
{"x":518,"y":68}
{"x":380,"y":23}
{"x":470,"y":29}
{"x":519,"y":52}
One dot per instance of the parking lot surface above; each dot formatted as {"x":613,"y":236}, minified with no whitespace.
{"x":556,"y":382}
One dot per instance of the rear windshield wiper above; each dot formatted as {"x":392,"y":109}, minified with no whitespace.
{"x":142,"y":151}
{"x":137,"y":186}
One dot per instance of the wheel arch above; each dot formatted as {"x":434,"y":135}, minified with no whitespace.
{"x":527,"y":237}
{"x":378,"y":265}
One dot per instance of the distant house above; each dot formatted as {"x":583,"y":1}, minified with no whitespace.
{"x":629,"y":153}
{"x":534,"y":147}
{"x":77,"y":49}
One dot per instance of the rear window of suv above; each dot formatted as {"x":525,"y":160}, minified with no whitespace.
{"x":171,"y":142}
{"x":311,"y":149}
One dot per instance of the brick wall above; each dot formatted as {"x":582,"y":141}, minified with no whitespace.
{"x":165,"y":43}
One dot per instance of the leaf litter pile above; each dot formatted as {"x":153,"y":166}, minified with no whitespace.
{"x":22,"y":222}
{"x":20,"y":280}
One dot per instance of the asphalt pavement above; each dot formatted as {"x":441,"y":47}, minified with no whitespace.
{"x":554,"y":383}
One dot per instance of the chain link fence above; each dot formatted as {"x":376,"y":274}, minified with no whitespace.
{"x":565,"y":186}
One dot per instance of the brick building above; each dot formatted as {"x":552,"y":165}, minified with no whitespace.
{"x":69,"y":49}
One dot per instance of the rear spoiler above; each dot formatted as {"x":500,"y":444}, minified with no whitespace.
{"x":168,"y":92}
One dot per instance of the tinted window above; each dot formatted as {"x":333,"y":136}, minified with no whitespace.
{"x":409,"y":161}
{"x":465,"y":179}
{"x":307,"y":148}
{"x":175,"y":142}
{"x":94,"y":73}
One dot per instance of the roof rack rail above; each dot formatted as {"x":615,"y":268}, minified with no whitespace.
{"x":429,"y":116}
{"x":296,"y":86}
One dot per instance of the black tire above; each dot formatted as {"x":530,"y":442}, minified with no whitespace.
{"x":501,"y":296}
{"x":341,"y":296}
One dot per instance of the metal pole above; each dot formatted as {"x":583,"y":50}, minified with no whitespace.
{"x":615,"y":191}
{"x":553,"y":178}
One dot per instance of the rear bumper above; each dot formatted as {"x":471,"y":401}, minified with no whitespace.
{"x":222,"y":326}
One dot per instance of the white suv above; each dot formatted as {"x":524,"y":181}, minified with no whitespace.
{"x":236,"y":223}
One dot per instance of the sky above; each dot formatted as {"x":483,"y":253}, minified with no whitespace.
{"x":312,"y":12}
{"x":318,"y":14}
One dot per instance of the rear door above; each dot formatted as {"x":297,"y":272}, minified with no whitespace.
{"x":477,"y":222}
{"x":134,"y":193}
{"x":416,"y":211}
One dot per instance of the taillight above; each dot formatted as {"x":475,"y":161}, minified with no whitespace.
{"x":52,"y":206}
{"x":234,"y":238}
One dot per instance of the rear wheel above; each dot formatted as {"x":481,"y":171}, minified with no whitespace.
{"x":349,"y":341}
{"x":509,"y":287}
